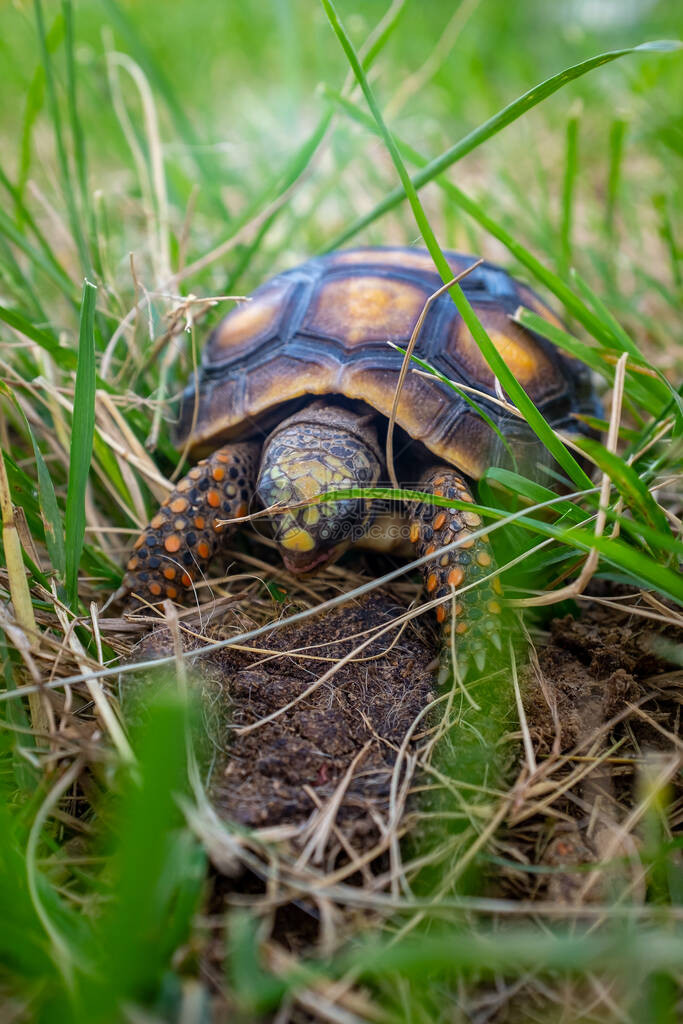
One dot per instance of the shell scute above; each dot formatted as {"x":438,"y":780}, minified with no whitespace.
{"x":323,"y":328}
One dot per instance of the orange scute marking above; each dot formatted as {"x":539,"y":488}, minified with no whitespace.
{"x":456,"y":576}
{"x":440,"y":520}
{"x":414,"y":533}
{"x":252,"y":320}
{"x":431,"y":582}
{"x":172,"y":543}
{"x":169,"y":572}
{"x":179,"y":505}
{"x":218,"y":473}
{"x":213,"y":498}
{"x":154,"y":588}
{"x":484,"y":558}
{"x":172,"y":593}
{"x":430,"y":550}
{"x":186,"y":580}
{"x":203,"y":549}
{"x":440,"y":613}
{"x":362,"y":308}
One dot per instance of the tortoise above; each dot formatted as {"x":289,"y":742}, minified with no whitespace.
{"x":292,"y":399}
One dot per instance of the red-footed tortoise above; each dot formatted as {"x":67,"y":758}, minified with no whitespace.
{"x":293,"y":398}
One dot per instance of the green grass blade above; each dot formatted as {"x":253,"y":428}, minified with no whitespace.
{"x":617,"y":136}
{"x":628,"y":483}
{"x":211,"y":177}
{"x":75,"y":220}
{"x":534,"y":492}
{"x":552,"y":281}
{"x":76,"y":125}
{"x":568,"y":186}
{"x":486,"y":346}
{"x":62,"y":356}
{"x":624,"y":343}
{"x":494,"y":125}
{"x":48,"y":266}
{"x":35,"y":96}
{"x":81,"y":443}
{"x":639,"y":385}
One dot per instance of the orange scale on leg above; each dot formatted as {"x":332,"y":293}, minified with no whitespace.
{"x":461,"y":627}
{"x":158,"y":522}
{"x":203,"y":549}
{"x":213,"y":498}
{"x":155,"y":588}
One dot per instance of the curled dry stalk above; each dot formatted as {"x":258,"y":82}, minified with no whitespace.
{"x":406,"y":363}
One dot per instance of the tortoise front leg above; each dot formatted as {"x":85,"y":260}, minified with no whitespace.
{"x":176,"y":548}
{"x":475,"y":614}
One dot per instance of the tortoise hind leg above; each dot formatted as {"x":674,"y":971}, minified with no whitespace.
{"x":474,"y":616}
{"x":176,"y":548}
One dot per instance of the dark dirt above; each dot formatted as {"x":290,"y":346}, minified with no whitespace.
{"x":367,"y":703}
{"x":278,"y":773}
{"x":602,"y":687}
{"x":591,"y":668}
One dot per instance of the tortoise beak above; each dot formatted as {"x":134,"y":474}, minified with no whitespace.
{"x":301,"y":563}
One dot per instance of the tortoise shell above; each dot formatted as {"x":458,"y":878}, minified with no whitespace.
{"x":323,"y":327}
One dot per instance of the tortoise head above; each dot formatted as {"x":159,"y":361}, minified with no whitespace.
{"x":318,"y":450}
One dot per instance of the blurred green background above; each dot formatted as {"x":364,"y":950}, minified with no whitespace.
{"x":237,"y":89}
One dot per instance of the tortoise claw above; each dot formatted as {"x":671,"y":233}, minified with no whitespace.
{"x":480,"y":659}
